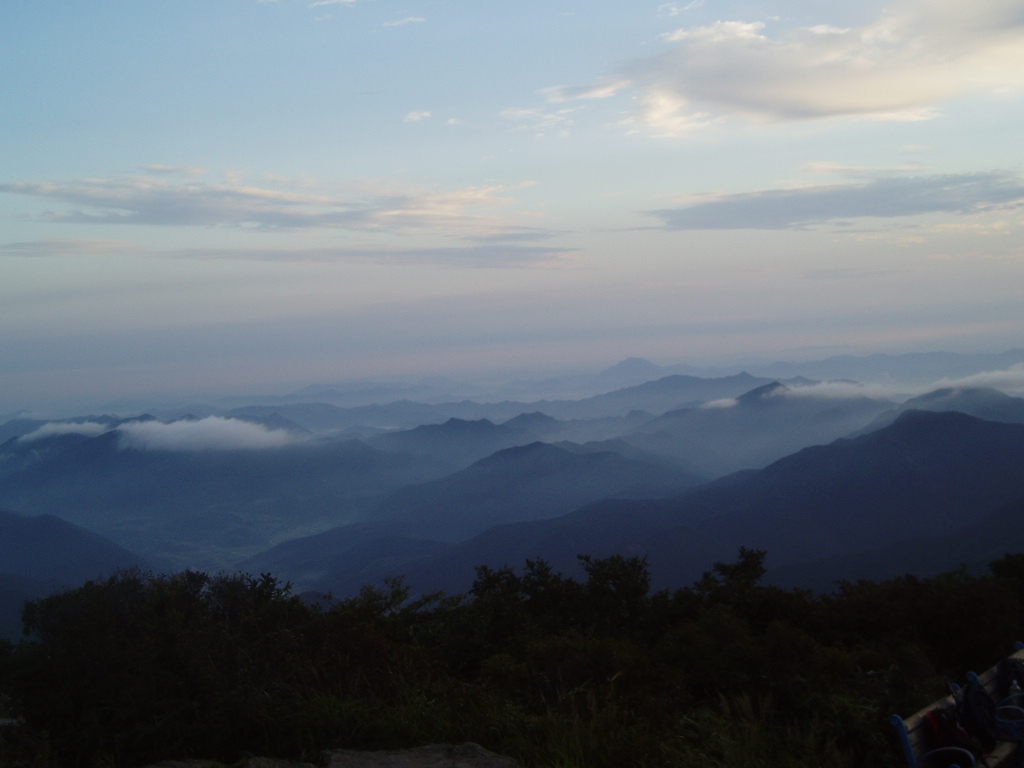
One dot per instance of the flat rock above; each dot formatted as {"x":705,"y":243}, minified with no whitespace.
{"x":466,"y":755}
{"x":252,"y":762}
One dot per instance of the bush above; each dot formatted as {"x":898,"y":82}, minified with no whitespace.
{"x":601,"y":673}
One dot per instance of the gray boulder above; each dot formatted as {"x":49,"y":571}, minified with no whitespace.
{"x":466,"y":755}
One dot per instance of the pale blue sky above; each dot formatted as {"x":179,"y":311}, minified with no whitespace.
{"x":232,"y":195}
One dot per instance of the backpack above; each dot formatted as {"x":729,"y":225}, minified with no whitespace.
{"x":976,"y":713}
{"x":946,"y":731}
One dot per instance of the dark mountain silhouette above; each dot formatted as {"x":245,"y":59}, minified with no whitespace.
{"x":23,"y":451}
{"x":457,"y":442}
{"x":39,"y":555}
{"x":622,"y":448}
{"x":523,"y":483}
{"x":538,"y":424}
{"x":983,"y":402}
{"x":974,"y":547}
{"x":18,"y":456}
{"x":633,"y":368}
{"x":549,"y":430}
{"x":758,"y":427}
{"x":763,"y":395}
{"x":48,"y":548}
{"x":205,"y":509}
{"x":926,"y":474}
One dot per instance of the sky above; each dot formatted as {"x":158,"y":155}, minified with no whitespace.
{"x":242,"y":196}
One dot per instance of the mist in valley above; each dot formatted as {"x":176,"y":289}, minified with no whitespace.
{"x":681,"y":469}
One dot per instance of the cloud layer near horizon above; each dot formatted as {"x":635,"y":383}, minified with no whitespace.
{"x":492,"y":251}
{"x":213,"y":433}
{"x":882,"y":197}
{"x":54,"y":428}
{"x":161,"y":201}
{"x":1010,"y":381}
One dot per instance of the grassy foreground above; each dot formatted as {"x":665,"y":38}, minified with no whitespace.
{"x":555,"y":672}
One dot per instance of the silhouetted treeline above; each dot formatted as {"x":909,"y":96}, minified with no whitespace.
{"x":553,"y":671}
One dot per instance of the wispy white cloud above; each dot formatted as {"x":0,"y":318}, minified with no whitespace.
{"x":54,"y":428}
{"x":1011,"y":380}
{"x":490,"y":254}
{"x":881,"y":197}
{"x":403,"y":22}
{"x":210,"y":434}
{"x":188,"y":171}
{"x":518,"y":235}
{"x":728,"y":402}
{"x":837,"y":390}
{"x":68,"y":247}
{"x":541,"y":121}
{"x":825,"y":167}
{"x":667,"y":10}
{"x":415,"y":117}
{"x":665,"y":113}
{"x":148,"y":200}
{"x":825,"y":390}
{"x":501,"y":249}
{"x":905,"y":64}
{"x":319,"y":3}
{"x":603,"y":88}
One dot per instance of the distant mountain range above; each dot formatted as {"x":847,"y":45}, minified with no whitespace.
{"x":456,"y":442}
{"x":615,"y":472}
{"x":529,"y":482}
{"x":911,"y":370}
{"x":983,"y":402}
{"x":907,"y":371}
{"x":925,"y":474}
{"x":368,"y":405}
{"x":655,"y":397}
{"x":750,"y":431}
